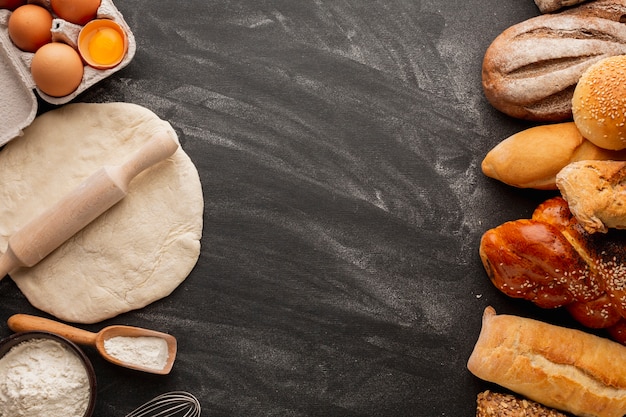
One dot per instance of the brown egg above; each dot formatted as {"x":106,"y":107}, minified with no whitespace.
{"x":57,"y":69}
{"x":11,"y":4}
{"x":30,"y":27}
{"x":76,"y":11}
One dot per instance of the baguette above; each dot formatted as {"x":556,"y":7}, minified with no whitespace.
{"x":561,"y":368}
{"x":533,"y":157}
{"x":531,"y":69}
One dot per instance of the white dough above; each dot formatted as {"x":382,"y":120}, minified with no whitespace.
{"x":137,"y":252}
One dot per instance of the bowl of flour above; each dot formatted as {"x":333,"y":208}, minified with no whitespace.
{"x":45,"y":375}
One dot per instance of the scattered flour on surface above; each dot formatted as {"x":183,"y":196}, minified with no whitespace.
{"x":146,"y":351}
{"x":43,"y":378}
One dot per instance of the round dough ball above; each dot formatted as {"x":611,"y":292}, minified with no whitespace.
{"x":138,"y":251}
{"x":599,"y":103}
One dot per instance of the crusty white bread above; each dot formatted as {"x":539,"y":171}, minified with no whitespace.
{"x":496,"y":404}
{"x":531,"y":69}
{"x":561,"y":368}
{"x":533,"y":157}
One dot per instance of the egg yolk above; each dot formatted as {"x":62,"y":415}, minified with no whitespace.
{"x":106,"y":46}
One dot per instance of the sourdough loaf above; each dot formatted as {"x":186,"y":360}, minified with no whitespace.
{"x":531,"y":69}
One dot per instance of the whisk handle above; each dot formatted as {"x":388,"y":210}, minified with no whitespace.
{"x":180,"y":403}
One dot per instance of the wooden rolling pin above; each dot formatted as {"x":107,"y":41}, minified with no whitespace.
{"x":85,"y":203}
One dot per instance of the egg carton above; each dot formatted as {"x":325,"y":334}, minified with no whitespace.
{"x":18,"y":105}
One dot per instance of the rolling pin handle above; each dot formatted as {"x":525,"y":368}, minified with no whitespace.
{"x":162,"y":145}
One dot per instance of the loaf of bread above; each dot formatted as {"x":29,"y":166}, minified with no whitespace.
{"x":553,"y":262}
{"x":495,"y":404}
{"x":532,"y":158}
{"x":531,"y":69}
{"x":594,"y":191}
{"x":549,"y":6}
{"x":561,"y":368}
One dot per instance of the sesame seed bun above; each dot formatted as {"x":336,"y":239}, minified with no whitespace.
{"x":599,"y":103}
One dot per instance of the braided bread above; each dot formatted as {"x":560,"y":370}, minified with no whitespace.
{"x":553,"y":262}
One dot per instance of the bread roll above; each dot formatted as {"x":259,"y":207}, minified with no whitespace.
{"x":594,"y":191}
{"x":599,"y":103}
{"x":561,"y":368}
{"x":533,"y":157}
{"x":531,"y":69}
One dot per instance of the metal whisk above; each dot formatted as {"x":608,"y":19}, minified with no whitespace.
{"x":170,"y":404}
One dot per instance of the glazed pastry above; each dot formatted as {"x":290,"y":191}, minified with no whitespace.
{"x":552,"y":261}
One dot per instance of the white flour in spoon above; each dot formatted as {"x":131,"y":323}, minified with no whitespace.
{"x":146,"y":351}
{"x":42,"y":378}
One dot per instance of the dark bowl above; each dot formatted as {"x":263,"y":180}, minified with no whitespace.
{"x":17,"y":338}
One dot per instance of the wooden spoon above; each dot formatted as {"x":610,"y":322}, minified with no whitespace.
{"x":107,"y":186}
{"x":25,"y":322}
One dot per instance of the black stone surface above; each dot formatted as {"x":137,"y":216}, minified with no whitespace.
{"x":339,"y":147}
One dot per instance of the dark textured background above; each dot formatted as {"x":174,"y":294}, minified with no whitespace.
{"x":339,"y":147}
